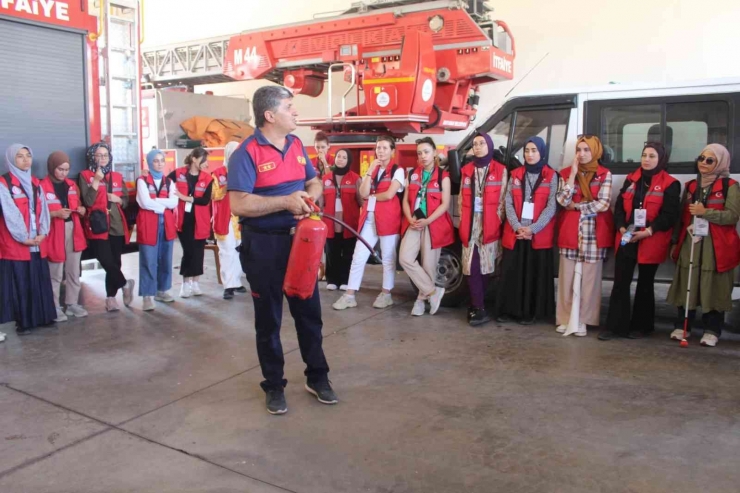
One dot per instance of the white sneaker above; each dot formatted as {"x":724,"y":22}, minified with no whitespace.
{"x":128,"y":292}
{"x":677,"y":335}
{"x":186,"y":291}
{"x":419,"y":308}
{"x":196,"y":289}
{"x":561,"y":329}
{"x":384,"y":300}
{"x":76,"y":311}
{"x":709,"y":340}
{"x":581,"y":332}
{"x":111,"y":305}
{"x":2,"y":336}
{"x":61,"y":317}
{"x":164,"y":297}
{"x":331,"y":287}
{"x":343,"y":287}
{"x":148,"y":304}
{"x":345,"y":301}
{"x":435,"y":300}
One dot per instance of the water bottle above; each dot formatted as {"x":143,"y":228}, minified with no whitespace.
{"x":626,"y":237}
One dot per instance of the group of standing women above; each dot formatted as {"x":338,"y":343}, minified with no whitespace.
{"x":46,"y":224}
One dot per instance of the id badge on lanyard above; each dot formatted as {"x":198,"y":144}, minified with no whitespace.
{"x":528,"y":211}
{"x":640,"y":218}
{"x":701,"y":227}
{"x":188,"y":206}
{"x":478,"y":204}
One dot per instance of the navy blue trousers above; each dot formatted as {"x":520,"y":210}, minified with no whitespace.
{"x":264,"y":259}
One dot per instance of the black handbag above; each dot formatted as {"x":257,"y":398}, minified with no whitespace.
{"x":99,"y":219}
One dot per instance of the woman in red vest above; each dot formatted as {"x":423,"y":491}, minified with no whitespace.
{"x":481,"y":202}
{"x":27,"y":296}
{"x":527,"y":287}
{"x":711,"y":211}
{"x":104,"y":195}
{"x":427,"y":225}
{"x":194,"y":186}
{"x":585,"y":233}
{"x":66,"y":240}
{"x":646,"y":212}
{"x":155,"y":231}
{"x":380,"y":221}
{"x":226,"y":229}
{"x":341,"y":199}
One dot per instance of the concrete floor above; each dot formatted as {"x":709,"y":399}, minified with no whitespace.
{"x":169,"y":401}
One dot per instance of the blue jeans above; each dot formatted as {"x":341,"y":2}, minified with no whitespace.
{"x":155,"y":264}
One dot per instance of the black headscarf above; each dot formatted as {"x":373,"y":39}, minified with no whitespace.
{"x":481,"y":162}
{"x":542,"y":149}
{"x":90,"y":157}
{"x":662,"y":159}
{"x":342,"y":171}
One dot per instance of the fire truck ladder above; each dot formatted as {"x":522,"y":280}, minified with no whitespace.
{"x":119,"y":73}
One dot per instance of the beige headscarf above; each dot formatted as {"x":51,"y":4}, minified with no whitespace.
{"x":721,"y":167}
{"x":588,"y":170}
{"x":228,"y":151}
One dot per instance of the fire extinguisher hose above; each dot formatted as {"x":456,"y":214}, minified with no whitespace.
{"x":354,"y":232}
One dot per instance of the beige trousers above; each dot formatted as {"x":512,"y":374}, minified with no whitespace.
{"x":415,"y":241}
{"x":72,"y":267}
{"x":590,"y":292}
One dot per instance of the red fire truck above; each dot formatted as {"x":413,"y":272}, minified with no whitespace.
{"x":388,"y":67}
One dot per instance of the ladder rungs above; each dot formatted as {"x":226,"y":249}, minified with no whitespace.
{"x":121,"y":20}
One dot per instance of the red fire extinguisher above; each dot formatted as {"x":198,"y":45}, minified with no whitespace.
{"x":305,"y":254}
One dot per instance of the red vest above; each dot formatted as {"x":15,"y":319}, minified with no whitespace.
{"x":568,"y":220}
{"x":653,"y":249}
{"x":441,"y":231}
{"x":202,"y":212}
{"x":492,"y":190}
{"x":101,"y":202}
{"x":387,"y":213}
{"x":9,"y":248}
{"x":725,"y":239}
{"x":348,"y":196}
{"x":275,"y":169}
{"x":546,"y":237}
{"x":147,"y":222}
{"x":221,"y":208}
{"x":327,"y":170}
{"x":55,"y":240}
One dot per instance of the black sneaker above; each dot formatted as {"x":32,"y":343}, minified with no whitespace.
{"x":480,"y":316}
{"x":608,"y":335}
{"x":22,"y":331}
{"x":504,"y":319}
{"x":528,"y":321}
{"x":322,"y":391}
{"x":276,"y":402}
{"x":636,"y":334}
{"x":241,"y":290}
{"x":228,"y":294}
{"x":471,"y":312}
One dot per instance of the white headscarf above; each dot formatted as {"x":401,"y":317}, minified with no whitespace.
{"x":228,"y":151}
{"x":23,"y":176}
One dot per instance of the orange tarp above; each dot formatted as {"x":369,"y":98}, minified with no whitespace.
{"x":216,"y":132}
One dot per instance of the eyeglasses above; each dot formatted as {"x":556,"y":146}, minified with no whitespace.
{"x":102,"y":156}
{"x":710,"y":160}
{"x":479,"y":144}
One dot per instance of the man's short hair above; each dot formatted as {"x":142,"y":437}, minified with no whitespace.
{"x":321,"y":137}
{"x":268,"y":98}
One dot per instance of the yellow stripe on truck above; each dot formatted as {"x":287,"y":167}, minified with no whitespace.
{"x":392,"y":80}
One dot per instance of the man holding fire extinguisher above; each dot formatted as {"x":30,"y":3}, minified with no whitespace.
{"x":270,"y":178}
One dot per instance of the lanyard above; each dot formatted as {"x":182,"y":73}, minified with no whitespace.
{"x":480,"y":182}
{"x":534,"y":187}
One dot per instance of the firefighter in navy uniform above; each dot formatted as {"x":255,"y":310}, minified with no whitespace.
{"x":270,"y":176}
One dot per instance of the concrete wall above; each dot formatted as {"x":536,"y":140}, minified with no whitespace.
{"x":583,"y":42}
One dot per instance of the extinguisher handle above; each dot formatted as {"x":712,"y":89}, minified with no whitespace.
{"x":312,"y":204}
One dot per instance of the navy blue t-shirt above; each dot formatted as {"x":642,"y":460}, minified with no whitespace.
{"x":243,"y":175}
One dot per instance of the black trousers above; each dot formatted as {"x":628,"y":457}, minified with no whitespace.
{"x":712,"y":321}
{"x":642,"y":317}
{"x":108,"y":253}
{"x":339,"y":251}
{"x":264,"y":259}
{"x":193,"y":250}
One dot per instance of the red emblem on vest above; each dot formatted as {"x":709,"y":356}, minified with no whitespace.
{"x":517,"y":182}
{"x":16,"y":190}
{"x":50,"y":196}
{"x":467,"y":181}
{"x":115,"y":184}
{"x":327,"y":183}
{"x":414,"y":176}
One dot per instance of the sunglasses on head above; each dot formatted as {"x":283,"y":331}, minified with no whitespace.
{"x":709,"y":160}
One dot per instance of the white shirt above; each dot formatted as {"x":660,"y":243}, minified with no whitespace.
{"x":399,"y":176}
{"x":158,"y":205}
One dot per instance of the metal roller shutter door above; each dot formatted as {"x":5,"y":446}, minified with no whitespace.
{"x":42,"y":92}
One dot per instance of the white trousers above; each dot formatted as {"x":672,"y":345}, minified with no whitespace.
{"x":231,"y":267}
{"x":359,"y":259}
